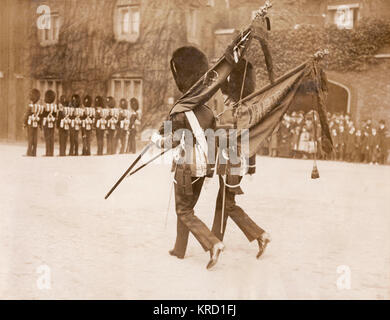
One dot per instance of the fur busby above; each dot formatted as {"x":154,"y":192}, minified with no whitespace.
{"x":75,"y":101}
{"x":134,"y":104}
{"x":50,"y":96}
{"x":123,"y":104}
{"x":87,"y":101}
{"x":233,"y":84}
{"x":63,"y":100}
{"x":111,"y":102}
{"x":99,"y":101}
{"x":188,"y":65}
{"x":35,"y":95}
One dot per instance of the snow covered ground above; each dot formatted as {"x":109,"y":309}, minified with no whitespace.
{"x":53,"y":213}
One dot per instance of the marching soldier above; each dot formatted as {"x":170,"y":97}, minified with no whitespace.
{"x":101,"y":124}
{"x":134,"y":121}
{"x":32,"y":122}
{"x":112,"y":122}
{"x":48,"y":120}
{"x":232,"y":166}
{"x":75,"y":125}
{"x":124,"y":125}
{"x":87,"y":118}
{"x":188,"y":65}
{"x":63,"y":124}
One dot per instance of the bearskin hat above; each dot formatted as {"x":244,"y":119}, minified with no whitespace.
{"x":188,"y":65}
{"x":123,"y":103}
{"x":233,"y":84}
{"x":63,"y":100}
{"x":111,"y":102}
{"x":134,"y":104}
{"x":35,"y":95}
{"x":50,"y":96}
{"x":99,"y":101}
{"x":75,"y":101}
{"x":87,"y":101}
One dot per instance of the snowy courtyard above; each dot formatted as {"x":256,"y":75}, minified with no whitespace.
{"x":53,"y":214}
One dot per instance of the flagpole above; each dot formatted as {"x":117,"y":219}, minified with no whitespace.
{"x":128,"y":170}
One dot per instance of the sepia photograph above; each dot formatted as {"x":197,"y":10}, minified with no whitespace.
{"x":195,"y":150}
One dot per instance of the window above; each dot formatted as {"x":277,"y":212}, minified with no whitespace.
{"x":127,"y":18}
{"x":126,"y":88}
{"x":50,"y":34}
{"x":344,"y":16}
{"x":191,"y":25}
{"x":48,"y":84}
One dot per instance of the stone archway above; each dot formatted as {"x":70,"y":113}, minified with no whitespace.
{"x":339,"y":99}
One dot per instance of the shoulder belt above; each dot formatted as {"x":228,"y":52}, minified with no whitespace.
{"x":197,"y":131}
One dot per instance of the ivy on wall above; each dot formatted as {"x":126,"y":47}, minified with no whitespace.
{"x":350,"y":50}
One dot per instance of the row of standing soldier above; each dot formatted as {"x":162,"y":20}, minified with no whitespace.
{"x":72,"y":118}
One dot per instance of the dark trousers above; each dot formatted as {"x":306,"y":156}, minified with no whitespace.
{"x":63,"y":140}
{"x":49,"y":141}
{"x":74,"y":142}
{"x":32,"y":141}
{"x":117,"y":137}
{"x":123,"y":138}
{"x":251,"y":230}
{"x":187,"y":221}
{"x":110,"y":141}
{"x":131,"y":146}
{"x":100,"y":141}
{"x":86,"y":135}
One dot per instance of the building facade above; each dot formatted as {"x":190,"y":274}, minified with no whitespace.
{"x":122,"y":48}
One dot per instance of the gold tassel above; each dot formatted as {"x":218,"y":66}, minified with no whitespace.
{"x":314,"y":173}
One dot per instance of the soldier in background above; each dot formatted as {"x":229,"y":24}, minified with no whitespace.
{"x":382,"y":142}
{"x":87,"y":120}
{"x":32,"y":122}
{"x":112,"y":122}
{"x":75,"y":125}
{"x":48,"y":121}
{"x":134,"y":120}
{"x":124,"y":125}
{"x":63,"y":124}
{"x":101,"y":123}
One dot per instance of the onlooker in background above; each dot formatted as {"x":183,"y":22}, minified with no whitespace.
{"x":284,"y":138}
{"x":304,"y":143}
{"x":358,"y":150}
{"x":382,"y":142}
{"x":366,"y":145}
{"x":336,"y":144}
{"x":374,"y":147}
{"x":342,"y":143}
{"x":350,"y":144}
{"x":295,"y":141}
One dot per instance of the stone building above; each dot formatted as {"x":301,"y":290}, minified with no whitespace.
{"x":122,"y":48}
